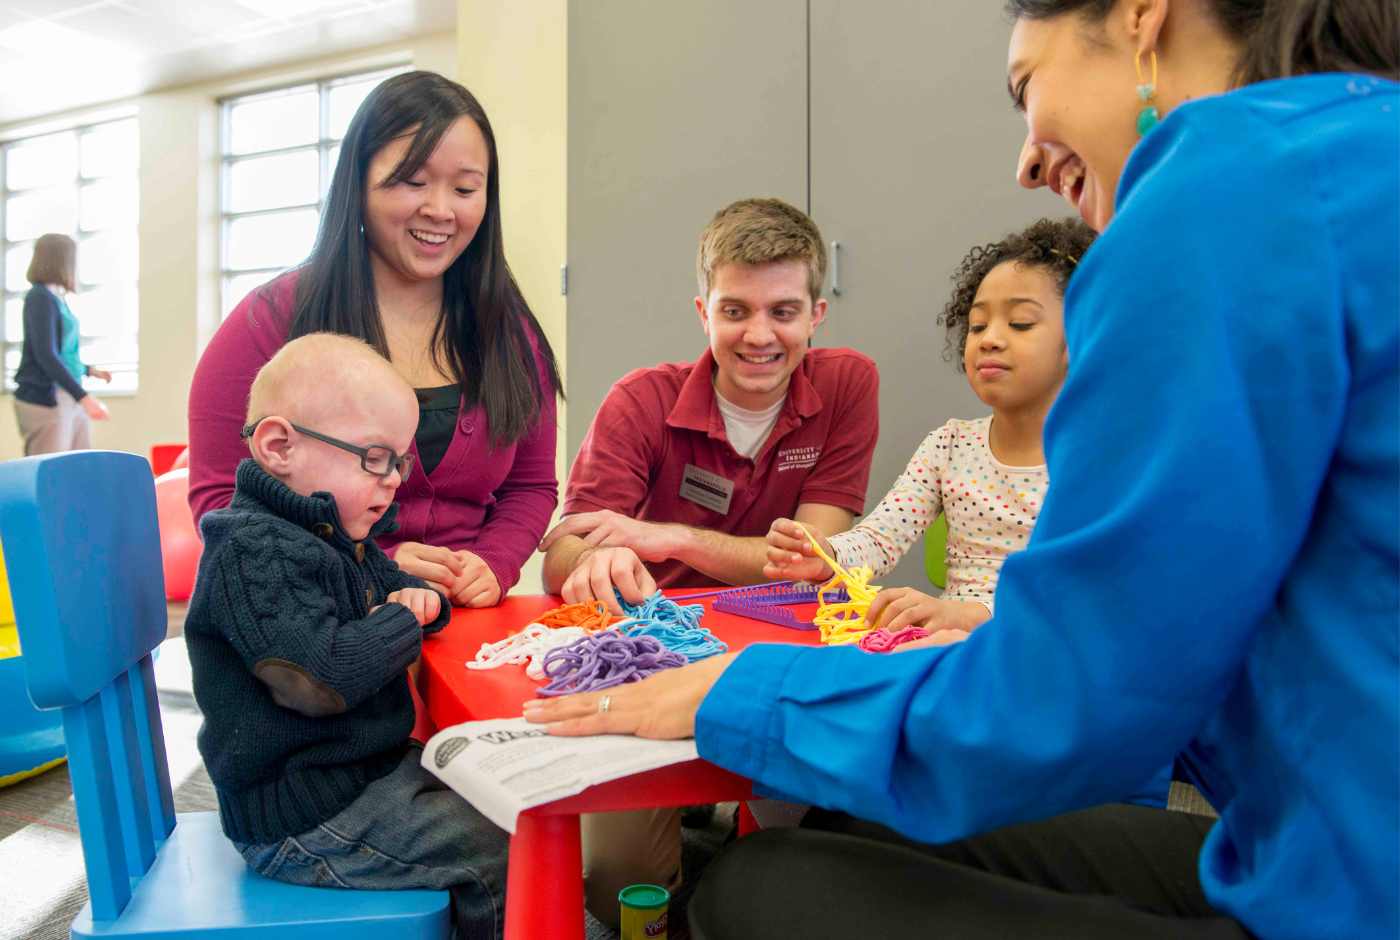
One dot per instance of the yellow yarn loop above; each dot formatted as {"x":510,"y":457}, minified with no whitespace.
{"x":842,"y":623}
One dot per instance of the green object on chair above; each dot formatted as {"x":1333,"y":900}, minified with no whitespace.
{"x":936,"y":552}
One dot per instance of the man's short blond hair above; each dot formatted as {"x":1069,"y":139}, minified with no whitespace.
{"x":761,"y":231}
{"x":311,"y":369}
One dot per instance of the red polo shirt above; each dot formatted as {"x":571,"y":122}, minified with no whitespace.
{"x":658,"y":422}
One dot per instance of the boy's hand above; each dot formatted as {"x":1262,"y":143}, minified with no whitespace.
{"x":424,"y":603}
{"x":791,"y":556}
{"x":476,"y":584}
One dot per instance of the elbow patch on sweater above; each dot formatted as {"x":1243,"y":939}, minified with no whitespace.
{"x":294,"y":688}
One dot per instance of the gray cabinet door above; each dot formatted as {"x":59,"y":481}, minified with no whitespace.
{"x":675,"y":110}
{"x":913,"y":151}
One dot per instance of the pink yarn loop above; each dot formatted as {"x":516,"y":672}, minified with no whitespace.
{"x":882,"y":640}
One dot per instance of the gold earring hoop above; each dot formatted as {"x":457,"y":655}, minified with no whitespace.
{"x":1149,"y":116}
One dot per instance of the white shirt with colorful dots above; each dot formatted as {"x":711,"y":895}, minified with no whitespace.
{"x":991,"y":509}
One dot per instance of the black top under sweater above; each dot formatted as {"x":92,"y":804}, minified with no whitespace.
{"x":282,"y":589}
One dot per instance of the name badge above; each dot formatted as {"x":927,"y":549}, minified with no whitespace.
{"x":706,"y":489}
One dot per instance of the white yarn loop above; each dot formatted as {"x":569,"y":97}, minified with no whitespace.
{"x":529,"y":644}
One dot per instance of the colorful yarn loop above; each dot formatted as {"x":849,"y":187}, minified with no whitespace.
{"x":602,"y":660}
{"x":843,"y":622}
{"x":884,"y":640}
{"x":530,"y":644}
{"x":675,"y":626}
{"x":591,"y":615}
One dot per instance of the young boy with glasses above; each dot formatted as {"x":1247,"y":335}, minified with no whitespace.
{"x":301,"y":633}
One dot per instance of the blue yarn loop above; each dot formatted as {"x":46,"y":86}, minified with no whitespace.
{"x":675,"y":626}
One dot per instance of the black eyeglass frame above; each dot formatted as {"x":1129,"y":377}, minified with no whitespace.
{"x":400,"y":462}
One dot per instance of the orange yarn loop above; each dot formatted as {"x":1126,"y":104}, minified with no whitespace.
{"x":591,"y":615}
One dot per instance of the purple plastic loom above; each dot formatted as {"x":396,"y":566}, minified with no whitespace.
{"x":770,"y":602}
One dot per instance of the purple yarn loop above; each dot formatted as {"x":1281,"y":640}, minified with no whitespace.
{"x":602,"y":660}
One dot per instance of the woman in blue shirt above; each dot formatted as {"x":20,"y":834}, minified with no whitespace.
{"x":53,"y":408}
{"x":1215,"y":572}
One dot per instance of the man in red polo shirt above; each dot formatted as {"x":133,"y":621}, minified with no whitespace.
{"x":687,"y":465}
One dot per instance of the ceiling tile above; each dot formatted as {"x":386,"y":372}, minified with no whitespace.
{"x":50,"y":9}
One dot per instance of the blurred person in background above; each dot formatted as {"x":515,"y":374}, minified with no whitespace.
{"x":55,"y":412}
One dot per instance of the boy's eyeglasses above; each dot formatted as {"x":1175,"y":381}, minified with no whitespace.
{"x":377,"y":459}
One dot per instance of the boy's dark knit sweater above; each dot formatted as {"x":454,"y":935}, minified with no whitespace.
{"x":304,"y":691}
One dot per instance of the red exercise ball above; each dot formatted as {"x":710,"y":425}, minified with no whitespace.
{"x":179,"y":542}
{"x":183,"y":460}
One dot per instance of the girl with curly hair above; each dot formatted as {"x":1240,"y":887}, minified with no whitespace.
{"x":986,"y":475}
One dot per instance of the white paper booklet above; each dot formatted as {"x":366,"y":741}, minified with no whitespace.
{"x":506,"y":766}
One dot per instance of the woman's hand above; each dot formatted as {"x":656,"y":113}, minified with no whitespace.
{"x":791,"y":556}
{"x":661,"y":706}
{"x":896,"y":608}
{"x":439,"y":566}
{"x":94,"y":408}
{"x":476,"y":584}
{"x":101,"y":374}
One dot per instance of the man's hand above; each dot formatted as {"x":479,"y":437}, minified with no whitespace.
{"x":599,"y":570}
{"x":660,"y":706}
{"x":439,"y":566}
{"x":791,"y":556}
{"x":424,"y":603}
{"x":650,"y":541}
{"x":896,"y":608}
{"x":476,"y":584}
{"x":100,"y":374}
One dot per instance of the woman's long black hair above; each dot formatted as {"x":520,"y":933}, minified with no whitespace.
{"x":482,"y":331}
{"x":1280,"y":38}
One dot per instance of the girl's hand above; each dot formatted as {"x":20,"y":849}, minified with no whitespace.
{"x":895,"y":608}
{"x":937,"y":638}
{"x":475,"y":585}
{"x":660,"y":706}
{"x":101,"y":374}
{"x":424,"y":604}
{"x":791,"y":556}
{"x":94,"y":408}
{"x":438,"y":566}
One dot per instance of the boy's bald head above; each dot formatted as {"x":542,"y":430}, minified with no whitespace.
{"x":320,"y":375}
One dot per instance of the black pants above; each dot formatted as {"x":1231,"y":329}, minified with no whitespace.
{"x":1112,"y":871}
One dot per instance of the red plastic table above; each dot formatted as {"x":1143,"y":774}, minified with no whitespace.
{"x":544,"y":890}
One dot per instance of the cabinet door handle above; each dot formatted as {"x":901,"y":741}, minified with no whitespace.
{"x":836,"y":269}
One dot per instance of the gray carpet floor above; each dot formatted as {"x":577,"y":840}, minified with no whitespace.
{"x":42,"y":885}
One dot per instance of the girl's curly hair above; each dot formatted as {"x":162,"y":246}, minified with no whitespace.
{"x":1054,"y":245}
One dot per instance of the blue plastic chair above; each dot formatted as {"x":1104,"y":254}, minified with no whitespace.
{"x":90,"y":604}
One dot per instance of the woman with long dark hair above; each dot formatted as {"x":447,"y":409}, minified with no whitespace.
{"x":1213,"y":573}
{"x":409,"y":257}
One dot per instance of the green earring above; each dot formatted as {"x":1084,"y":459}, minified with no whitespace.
{"x":1149,"y":116}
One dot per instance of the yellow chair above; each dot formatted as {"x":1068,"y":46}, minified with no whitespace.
{"x":31,"y":741}
{"x":936,"y":552}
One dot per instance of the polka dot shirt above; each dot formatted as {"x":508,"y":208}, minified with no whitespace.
{"x":991,"y":510}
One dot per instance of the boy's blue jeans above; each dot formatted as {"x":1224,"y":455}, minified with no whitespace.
{"x":407,"y":830}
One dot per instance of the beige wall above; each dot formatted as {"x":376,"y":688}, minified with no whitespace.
{"x":179,"y":236}
{"x":513,"y":58}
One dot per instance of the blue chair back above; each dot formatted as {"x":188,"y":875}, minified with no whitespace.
{"x":84,"y":561}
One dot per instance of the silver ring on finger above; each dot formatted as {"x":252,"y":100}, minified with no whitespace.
{"x":604,"y":704}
